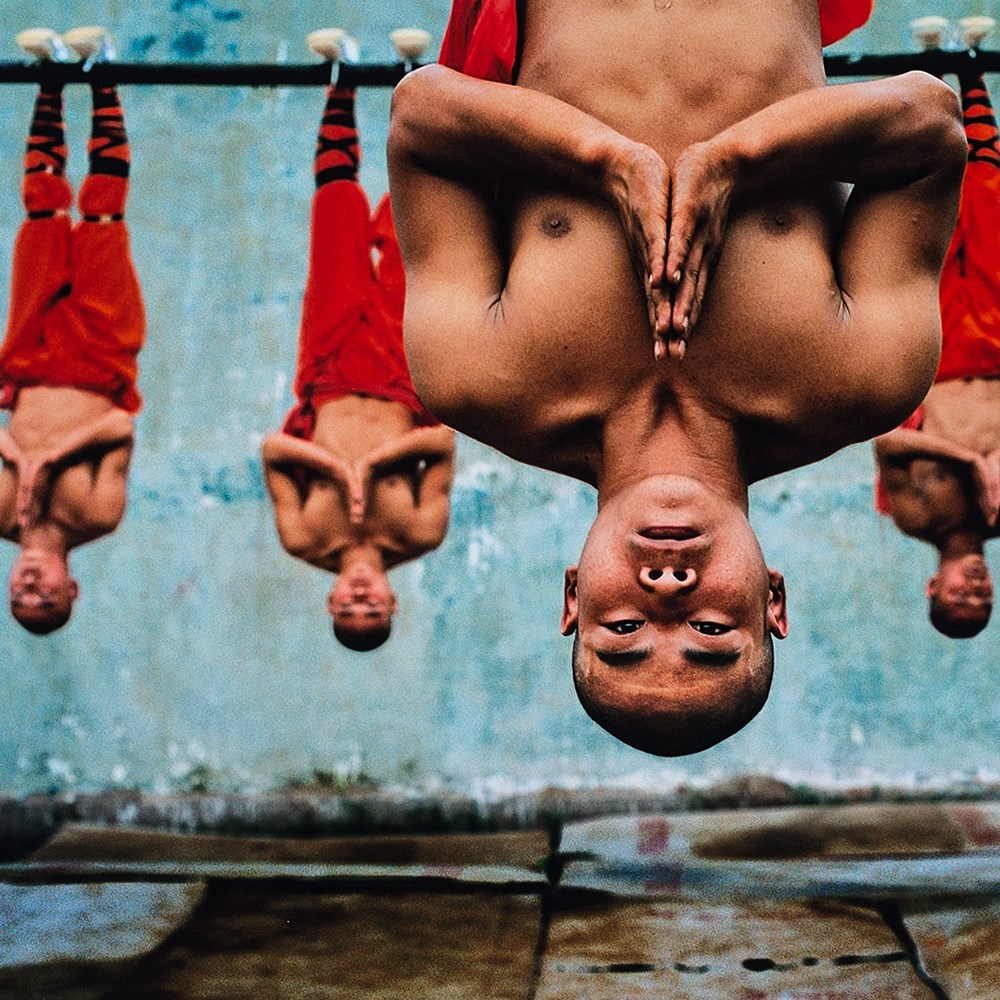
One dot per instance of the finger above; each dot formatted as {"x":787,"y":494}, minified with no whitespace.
{"x":680,"y":319}
{"x":699,"y":295}
{"x":677,"y":345}
{"x":694,"y":277}
{"x":657,"y":263}
{"x":679,"y":241}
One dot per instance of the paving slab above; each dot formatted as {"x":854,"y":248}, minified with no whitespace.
{"x":86,"y":853}
{"x":871,"y":851}
{"x":87,"y":842}
{"x":616,"y":950}
{"x":959,"y":945}
{"x":797,"y":832}
{"x":74,"y":941}
{"x":249,"y":944}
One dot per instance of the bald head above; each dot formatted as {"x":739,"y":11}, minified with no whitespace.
{"x":674,"y":707}
{"x":41,"y":591}
{"x":362,"y":632}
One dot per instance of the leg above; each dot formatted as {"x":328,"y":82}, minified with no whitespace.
{"x":44,"y":189}
{"x":980,"y":122}
{"x":970,"y":281}
{"x":106,"y":290}
{"x":338,"y":152}
{"x":104,"y":191}
{"x":40,"y":274}
{"x":340,"y":280}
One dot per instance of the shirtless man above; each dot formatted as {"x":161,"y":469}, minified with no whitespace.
{"x":939,"y":473}
{"x":528,"y":328}
{"x":361,"y":472}
{"x":68,"y":363}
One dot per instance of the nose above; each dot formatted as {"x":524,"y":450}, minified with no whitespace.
{"x":667,"y":581}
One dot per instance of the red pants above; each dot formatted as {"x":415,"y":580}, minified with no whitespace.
{"x":481,"y":36}
{"x":970,"y":281}
{"x":76,"y":315}
{"x":351,"y":339}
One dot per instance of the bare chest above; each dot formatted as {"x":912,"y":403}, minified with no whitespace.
{"x":572,"y":341}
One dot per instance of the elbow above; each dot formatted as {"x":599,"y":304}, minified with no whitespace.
{"x":936,"y":116}
{"x":412,"y":100}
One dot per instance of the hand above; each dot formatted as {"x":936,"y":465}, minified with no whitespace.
{"x":359,"y":479}
{"x":30,"y":484}
{"x":701,"y":188}
{"x":986,"y":475}
{"x":640,"y":192}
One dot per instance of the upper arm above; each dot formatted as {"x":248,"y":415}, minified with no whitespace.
{"x":89,"y":499}
{"x":892,"y":245}
{"x":288,"y":510}
{"x":8,"y":501}
{"x":109,"y":494}
{"x":429,"y":523}
{"x":450,"y":239}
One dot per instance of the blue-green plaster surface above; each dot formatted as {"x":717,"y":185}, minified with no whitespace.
{"x":200,"y":654}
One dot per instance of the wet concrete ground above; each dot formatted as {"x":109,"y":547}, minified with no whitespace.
{"x":900,"y":902}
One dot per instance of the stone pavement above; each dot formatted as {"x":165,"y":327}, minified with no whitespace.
{"x":900,"y":902}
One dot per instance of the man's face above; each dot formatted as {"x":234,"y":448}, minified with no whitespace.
{"x":963,"y":589}
{"x":672,"y":591}
{"x":41,"y":589}
{"x":361,"y":599}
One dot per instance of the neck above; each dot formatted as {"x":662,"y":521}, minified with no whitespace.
{"x":46,"y":538}
{"x":641,"y":440}
{"x":960,"y":543}
{"x":362,"y":553}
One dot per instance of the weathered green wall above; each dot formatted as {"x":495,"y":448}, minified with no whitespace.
{"x":200,"y":654}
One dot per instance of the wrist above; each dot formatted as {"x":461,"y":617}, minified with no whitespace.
{"x":615,"y":161}
{"x":733,"y":155}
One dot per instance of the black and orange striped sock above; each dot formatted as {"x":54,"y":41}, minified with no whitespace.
{"x":338,"y":152}
{"x":108,"y":147}
{"x":47,"y":139}
{"x":980,"y":122}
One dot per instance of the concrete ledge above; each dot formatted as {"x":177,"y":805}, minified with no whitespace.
{"x":25,"y":823}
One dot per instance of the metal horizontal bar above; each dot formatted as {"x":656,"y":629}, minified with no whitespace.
{"x":936,"y":61}
{"x":389,"y":74}
{"x":206,"y":74}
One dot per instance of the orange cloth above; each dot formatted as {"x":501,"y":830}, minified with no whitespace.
{"x":351,"y":338}
{"x":76,"y":315}
{"x":481,"y":38}
{"x":838,"y":18}
{"x":970,"y":281}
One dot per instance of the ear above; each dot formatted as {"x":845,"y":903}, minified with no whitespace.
{"x":393,"y":603}
{"x":74,"y":589}
{"x":571,"y":607}
{"x":933,"y":586}
{"x":777,"y":606}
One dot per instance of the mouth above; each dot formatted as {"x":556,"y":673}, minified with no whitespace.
{"x":668,"y":533}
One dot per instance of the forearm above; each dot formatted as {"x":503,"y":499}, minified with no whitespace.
{"x":905,"y":443}
{"x":10,"y":451}
{"x":449,"y":123}
{"x":882,"y":134}
{"x":284,"y":450}
{"x":433,"y":444}
{"x":111,"y":430}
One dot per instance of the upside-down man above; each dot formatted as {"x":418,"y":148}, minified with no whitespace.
{"x":68,"y":363}
{"x":676,"y":167}
{"x":360,"y":474}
